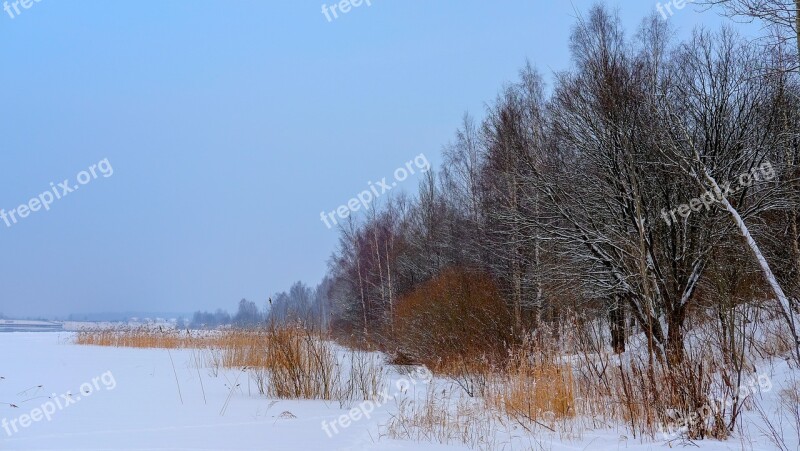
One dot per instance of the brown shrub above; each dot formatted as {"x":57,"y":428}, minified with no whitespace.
{"x":454,"y":317}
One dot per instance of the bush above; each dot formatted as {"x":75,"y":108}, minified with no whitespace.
{"x":456,"y":317}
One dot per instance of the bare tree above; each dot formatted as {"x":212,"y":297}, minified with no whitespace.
{"x":781,"y":15}
{"x":716,"y":108}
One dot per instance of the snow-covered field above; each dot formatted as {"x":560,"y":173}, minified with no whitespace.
{"x":93,"y":398}
{"x":142,"y":408}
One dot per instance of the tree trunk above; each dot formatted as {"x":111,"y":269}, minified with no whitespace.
{"x":617,"y":322}
{"x":675,"y":351}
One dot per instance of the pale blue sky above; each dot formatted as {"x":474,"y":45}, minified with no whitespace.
{"x":230,"y":125}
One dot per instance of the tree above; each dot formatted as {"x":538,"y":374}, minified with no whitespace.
{"x":720,"y":134}
{"x":247,"y":315}
{"x":780,"y":14}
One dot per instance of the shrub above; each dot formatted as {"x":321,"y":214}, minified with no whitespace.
{"x":456,"y":317}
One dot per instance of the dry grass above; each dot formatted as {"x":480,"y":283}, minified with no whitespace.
{"x":530,"y":389}
{"x":782,"y":425}
{"x":298,"y":364}
{"x":145,"y":337}
{"x":578,"y":384}
{"x":534,"y":392}
{"x":447,"y":418}
{"x":564,"y":385}
{"x":657,"y":399}
{"x":286,"y":363}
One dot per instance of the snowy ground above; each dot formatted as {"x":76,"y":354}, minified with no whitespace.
{"x":134,"y":403}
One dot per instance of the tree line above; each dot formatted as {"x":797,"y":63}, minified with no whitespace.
{"x":653,"y":180}
{"x":586,"y":197}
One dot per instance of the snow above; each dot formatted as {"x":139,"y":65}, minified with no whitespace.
{"x":135,"y":403}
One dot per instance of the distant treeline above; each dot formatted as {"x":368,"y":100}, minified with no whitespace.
{"x":301,"y":304}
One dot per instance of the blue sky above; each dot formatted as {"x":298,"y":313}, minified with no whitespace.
{"x":230,"y":125}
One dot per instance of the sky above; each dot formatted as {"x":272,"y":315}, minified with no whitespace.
{"x":206,"y":136}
